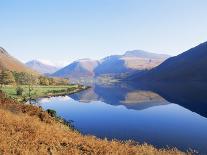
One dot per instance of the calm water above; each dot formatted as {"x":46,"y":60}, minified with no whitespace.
{"x":163,"y":114}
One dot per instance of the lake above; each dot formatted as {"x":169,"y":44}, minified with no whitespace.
{"x":160,"y":114}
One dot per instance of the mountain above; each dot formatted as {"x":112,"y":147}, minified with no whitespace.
{"x":188,"y":66}
{"x":136,"y":60}
{"x":41,"y":67}
{"x":8,"y":62}
{"x":145,"y":54}
{"x":77,"y":69}
{"x":115,"y":65}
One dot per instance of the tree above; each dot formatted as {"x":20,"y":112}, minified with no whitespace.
{"x":30,"y":80}
{"x":19,"y":91}
{"x":22,"y":78}
{"x":61,"y":81}
{"x":1,"y":79}
{"x":44,"y":81}
{"x":6,"y":78}
{"x":51,"y":81}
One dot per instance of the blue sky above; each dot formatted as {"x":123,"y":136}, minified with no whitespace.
{"x":66,"y":30}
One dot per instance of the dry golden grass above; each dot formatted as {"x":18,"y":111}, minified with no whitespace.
{"x":26,"y":129}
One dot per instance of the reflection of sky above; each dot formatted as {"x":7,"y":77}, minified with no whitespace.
{"x":54,"y":99}
{"x":170,"y":125}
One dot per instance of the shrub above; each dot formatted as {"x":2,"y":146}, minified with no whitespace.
{"x":52,"y":112}
{"x":19,"y":91}
{"x":69,"y":89}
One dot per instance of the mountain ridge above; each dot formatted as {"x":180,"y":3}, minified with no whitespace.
{"x":130,"y":61}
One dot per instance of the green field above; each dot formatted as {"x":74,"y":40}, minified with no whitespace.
{"x":41,"y":91}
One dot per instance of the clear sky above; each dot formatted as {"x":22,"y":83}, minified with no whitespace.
{"x":65,"y":30}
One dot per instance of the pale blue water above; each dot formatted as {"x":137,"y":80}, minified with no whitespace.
{"x":127,"y":113}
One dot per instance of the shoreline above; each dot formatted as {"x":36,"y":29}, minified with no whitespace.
{"x":44,"y":131}
{"x":61,"y":94}
{"x":42,"y":91}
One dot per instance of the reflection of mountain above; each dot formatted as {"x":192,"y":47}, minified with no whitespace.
{"x":85,"y":96}
{"x":192,"y":96}
{"x":120,"y":95}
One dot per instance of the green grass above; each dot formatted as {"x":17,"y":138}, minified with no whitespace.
{"x":41,"y":91}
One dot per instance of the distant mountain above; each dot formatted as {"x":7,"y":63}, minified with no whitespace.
{"x":188,"y":66}
{"x":7,"y":62}
{"x":77,"y":69}
{"x":136,"y":60}
{"x":41,"y":67}
{"x":115,"y":65}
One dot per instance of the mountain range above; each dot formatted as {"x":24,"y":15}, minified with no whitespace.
{"x":136,"y":65}
{"x":188,"y":66}
{"x":127,"y":63}
{"x":41,"y":67}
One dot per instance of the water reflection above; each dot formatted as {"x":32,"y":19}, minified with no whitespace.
{"x":192,"y":96}
{"x":156,"y":113}
{"x":120,"y":95}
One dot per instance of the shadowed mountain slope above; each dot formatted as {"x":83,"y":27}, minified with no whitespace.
{"x":188,"y":66}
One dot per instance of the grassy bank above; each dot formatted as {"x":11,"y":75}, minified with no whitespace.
{"x":27,"y":129}
{"x":41,"y":91}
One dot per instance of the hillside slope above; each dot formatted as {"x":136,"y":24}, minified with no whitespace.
{"x":8,"y":62}
{"x":188,"y":66}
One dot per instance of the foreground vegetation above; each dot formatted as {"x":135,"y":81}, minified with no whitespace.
{"x":27,"y":129}
{"x":23,"y":86}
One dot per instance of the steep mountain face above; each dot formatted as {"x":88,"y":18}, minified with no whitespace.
{"x":188,"y":66}
{"x":41,"y":67}
{"x":136,"y":60}
{"x":7,"y":62}
{"x":77,"y":69}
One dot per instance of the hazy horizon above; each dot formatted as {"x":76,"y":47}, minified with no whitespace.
{"x":64,"y":31}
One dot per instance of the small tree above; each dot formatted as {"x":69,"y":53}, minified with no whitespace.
{"x":44,"y":81}
{"x":1,"y":79}
{"x":30,"y":80}
{"x":19,"y":91}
